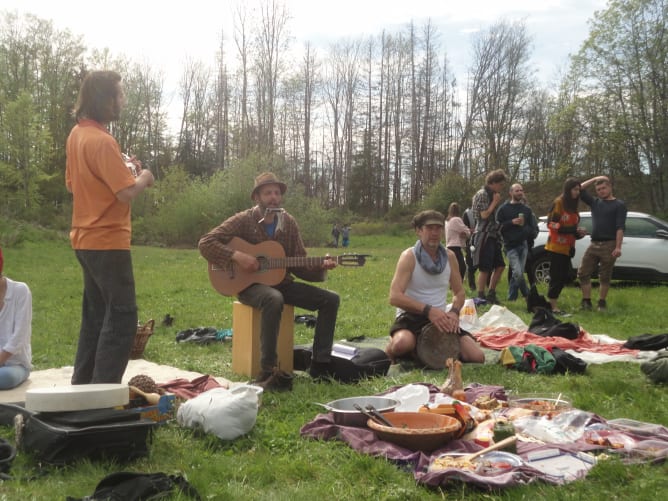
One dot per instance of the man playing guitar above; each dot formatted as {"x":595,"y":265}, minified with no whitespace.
{"x":267,"y":221}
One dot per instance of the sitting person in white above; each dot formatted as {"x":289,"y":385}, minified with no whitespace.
{"x":15,"y":331}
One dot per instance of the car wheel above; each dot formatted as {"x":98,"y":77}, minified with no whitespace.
{"x":541,"y":269}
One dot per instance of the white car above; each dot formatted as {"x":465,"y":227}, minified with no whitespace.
{"x":644,"y":250}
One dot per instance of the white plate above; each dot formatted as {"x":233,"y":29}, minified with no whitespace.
{"x":497,"y":462}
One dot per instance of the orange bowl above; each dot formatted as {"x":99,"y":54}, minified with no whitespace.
{"x":417,"y":431}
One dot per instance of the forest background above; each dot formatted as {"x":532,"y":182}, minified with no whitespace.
{"x":363,"y":134}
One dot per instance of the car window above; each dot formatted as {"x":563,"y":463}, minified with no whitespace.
{"x":585,"y":222}
{"x":637,"y":227}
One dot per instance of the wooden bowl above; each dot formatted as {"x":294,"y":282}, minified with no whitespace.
{"x":417,"y":431}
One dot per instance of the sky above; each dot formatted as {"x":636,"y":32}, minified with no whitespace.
{"x":166,"y":34}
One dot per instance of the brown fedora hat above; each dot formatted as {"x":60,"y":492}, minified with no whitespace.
{"x":267,"y":178}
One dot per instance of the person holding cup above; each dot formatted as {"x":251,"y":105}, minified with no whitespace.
{"x":515,"y":219}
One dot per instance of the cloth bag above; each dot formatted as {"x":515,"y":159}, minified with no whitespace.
{"x":228,"y":414}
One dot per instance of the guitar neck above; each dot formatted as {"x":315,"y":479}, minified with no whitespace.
{"x":293,"y":262}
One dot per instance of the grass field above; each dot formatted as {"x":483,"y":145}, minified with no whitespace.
{"x":273,"y":461}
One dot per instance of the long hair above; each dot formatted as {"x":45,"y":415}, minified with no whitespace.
{"x":453,"y":210}
{"x":570,"y":203}
{"x":97,"y":97}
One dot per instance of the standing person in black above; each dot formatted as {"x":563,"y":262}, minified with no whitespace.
{"x":516,"y":220}
{"x":467,"y":218}
{"x":608,"y":216}
{"x":488,"y":256}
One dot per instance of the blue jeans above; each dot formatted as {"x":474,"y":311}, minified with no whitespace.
{"x":12,"y":375}
{"x":108,"y":316}
{"x":517,"y":258}
{"x":270,"y":301}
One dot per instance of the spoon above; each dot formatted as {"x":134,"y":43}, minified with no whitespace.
{"x":498,"y":445}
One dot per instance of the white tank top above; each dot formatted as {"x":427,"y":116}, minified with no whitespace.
{"x":428,"y":288}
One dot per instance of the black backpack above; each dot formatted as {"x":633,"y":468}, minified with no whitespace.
{"x":367,"y":362}
{"x":649,"y":342}
{"x":567,"y":362}
{"x":545,"y":324}
{"x":7,"y":455}
{"x":128,"y":486}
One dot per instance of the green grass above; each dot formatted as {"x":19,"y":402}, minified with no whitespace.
{"x":273,"y":461}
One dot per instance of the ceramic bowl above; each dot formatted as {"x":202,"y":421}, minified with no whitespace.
{"x":417,"y":431}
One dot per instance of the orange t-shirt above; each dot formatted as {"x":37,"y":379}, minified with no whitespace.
{"x":95,"y":172}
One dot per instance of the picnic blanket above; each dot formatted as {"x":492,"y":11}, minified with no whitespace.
{"x":364,"y":440}
{"x":499,"y":328}
{"x":61,"y":376}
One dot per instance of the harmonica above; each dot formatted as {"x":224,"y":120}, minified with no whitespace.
{"x":271,"y":210}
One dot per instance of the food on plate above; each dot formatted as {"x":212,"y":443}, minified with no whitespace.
{"x":540,"y":405}
{"x":486,"y":402}
{"x":447,"y":409}
{"x":445,"y":462}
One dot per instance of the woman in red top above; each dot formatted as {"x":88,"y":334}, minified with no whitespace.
{"x":562,"y":223}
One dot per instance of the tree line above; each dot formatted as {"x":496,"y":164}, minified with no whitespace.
{"x":369,"y":125}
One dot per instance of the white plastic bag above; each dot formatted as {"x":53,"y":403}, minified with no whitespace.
{"x":228,"y":414}
{"x":500,"y":316}
{"x":468,"y":316}
{"x":410,"y":397}
{"x":566,"y":427}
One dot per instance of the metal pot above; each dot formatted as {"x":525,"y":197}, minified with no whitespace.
{"x":345,"y":413}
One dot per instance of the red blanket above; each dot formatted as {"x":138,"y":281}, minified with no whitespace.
{"x":498,"y":338}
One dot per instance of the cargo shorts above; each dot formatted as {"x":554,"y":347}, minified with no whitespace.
{"x":598,"y":255}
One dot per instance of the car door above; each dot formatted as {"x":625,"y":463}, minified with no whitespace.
{"x":642,"y":248}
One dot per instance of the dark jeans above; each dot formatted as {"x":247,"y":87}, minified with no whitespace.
{"x":460,"y":261}
{"x":470,"y":270}
{"x":270,"y":301}
{"x":108,"y":316}
{"x":560,"y":268}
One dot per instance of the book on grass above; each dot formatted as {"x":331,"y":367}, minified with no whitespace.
{"x":344,"y":351}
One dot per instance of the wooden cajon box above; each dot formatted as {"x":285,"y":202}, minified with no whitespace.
{"x":246,"y":322}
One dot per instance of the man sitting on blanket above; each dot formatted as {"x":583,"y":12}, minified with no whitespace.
{"x":419,"y":291}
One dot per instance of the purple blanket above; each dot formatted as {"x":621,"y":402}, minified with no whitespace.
{"x":365,"y":441}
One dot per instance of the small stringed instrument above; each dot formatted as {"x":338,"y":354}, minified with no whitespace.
{"x":231,"y":279}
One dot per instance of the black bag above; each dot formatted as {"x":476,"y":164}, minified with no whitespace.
{"x":535,"y":300}
{"x":367,"y":362}
{"x":545,"y":324}
{"x":128,"y":486}
{"x":60,"y":438}
{"x":7,"y":455}
{"x":567,"y":362}
{"x":301,"y":356}
{"x":649,"y":342}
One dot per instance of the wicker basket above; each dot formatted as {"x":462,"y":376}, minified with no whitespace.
{"x":141,"y":338}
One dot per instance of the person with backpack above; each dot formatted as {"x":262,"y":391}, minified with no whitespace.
{"x":487,"y":254}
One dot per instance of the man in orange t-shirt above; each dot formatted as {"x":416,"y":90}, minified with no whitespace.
{"x":102,"y":187}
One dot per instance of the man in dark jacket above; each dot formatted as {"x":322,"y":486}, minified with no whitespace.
{"x":515,"y":220}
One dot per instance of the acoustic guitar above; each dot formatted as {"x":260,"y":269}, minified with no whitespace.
{"x":231,"y":279}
